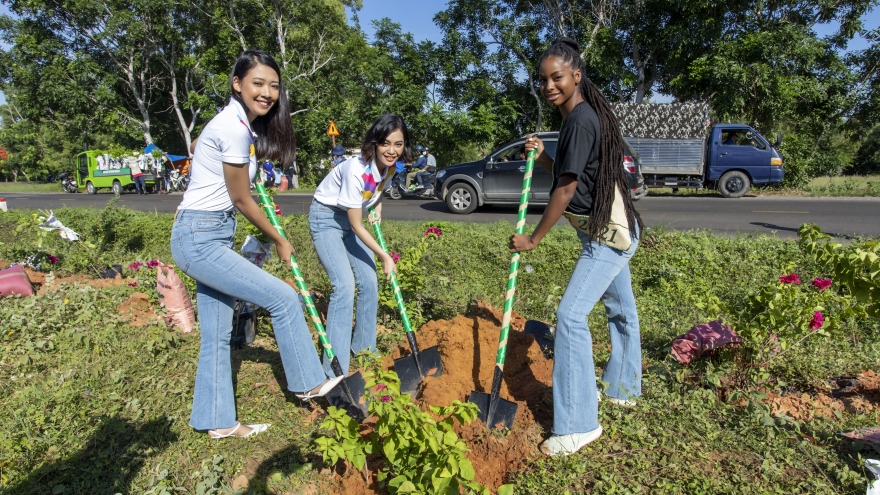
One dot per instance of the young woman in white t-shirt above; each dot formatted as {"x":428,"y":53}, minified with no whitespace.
{"x":344,"y":245}
{"x":255,"y":122}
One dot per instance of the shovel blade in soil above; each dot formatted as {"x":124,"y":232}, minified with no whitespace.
{"x":414,"y":368}
{"x":349,"y":395}
{"x":505,"y":410}
{"x":543,"y":336}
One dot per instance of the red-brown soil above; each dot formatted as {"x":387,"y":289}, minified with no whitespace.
{"x":863,"y":399}
{"x":38,"y":279}
{"x":468,"y":346}
{"x":138,"y":311}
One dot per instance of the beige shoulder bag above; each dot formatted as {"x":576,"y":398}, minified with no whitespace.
{"x":616,"y":233}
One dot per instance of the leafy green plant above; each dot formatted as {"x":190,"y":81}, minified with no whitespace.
{"x":420,"y":454}
{"x":411,"y":276}
{"x":856,"y":266}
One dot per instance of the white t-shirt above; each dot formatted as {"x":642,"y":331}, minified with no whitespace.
{"x":353,"y":183}
{"x":227,"y":138}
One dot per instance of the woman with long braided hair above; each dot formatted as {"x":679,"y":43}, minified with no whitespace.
{"x":588,"y":180}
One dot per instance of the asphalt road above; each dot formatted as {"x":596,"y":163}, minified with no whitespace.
{"x":775,"y":214}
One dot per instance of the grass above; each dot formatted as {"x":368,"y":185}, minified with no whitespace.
{"x":26,"y":187}
{"x":818,"y":187}
{"x":93,"y":405}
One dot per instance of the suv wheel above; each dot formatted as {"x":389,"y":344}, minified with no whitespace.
{"x":461,"y":198}
{"x":91,"y":188}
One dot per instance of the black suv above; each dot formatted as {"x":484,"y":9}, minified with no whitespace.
{"x":497,"y":179}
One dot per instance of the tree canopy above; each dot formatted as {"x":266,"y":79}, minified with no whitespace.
{"x":82,"y":73}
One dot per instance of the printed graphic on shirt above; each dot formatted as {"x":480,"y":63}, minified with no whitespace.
{"x":370,"y":185}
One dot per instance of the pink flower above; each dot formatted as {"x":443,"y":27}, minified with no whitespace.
{"x":434,"y":230}
{"x":133,"y":284}
{"x":394,"y":256}
{"x":817,"y":321}
{"x":136,"y":266}
{"x":152,"y":263}
{"x":386,"y":398}
{"x":380,"y":387}
{"x":790,"y":279}
{"x":51,"y":259}
{"x":821,"y":283}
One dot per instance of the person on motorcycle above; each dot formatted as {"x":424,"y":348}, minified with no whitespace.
{"x":430,"y":168}
{"x":418,"y":166}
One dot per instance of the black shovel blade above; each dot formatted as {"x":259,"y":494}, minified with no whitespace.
{"x":407,"y":369}
{"x":505,"y":411}
{"x":349,"y":395}
{"x":543,"y":336}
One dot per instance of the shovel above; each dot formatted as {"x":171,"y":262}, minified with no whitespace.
{"x":349,"y":394}
{"x":420,"y":364}
{"x":493,"y":409}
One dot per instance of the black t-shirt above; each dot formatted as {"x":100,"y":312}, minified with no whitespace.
{"x":578,"y":153}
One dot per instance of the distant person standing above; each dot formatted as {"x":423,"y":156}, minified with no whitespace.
{"x":337,"y":156}
{"x":292,"y":176}
{"x":137,"y":175}
{"x":269,"y":173}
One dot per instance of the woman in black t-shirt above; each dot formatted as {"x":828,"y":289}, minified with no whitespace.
{"x":589,"y":187}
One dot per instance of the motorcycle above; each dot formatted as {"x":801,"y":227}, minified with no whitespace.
{"x":177,"y":182}
{"x":68,"y":184}
{"x":397,"y":188}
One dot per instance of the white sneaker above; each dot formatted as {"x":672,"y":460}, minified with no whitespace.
{"x":321,"y":390}
{"x":569,"y":444}
{"x":621,"y":402}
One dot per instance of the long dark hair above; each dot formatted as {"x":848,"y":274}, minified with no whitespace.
{"x":610,"y":171}
{"x":275,"y":140}
{"x":378,"y":133}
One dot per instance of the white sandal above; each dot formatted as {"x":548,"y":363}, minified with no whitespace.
{"x":321,"y":390}
{"x":255,"y":430}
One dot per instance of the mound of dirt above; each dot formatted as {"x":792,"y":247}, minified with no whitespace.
{"x":468,"y":346}
{"x":138,"y":311}
{"x":861,"y":398}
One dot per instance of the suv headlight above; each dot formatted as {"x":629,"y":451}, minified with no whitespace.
{"x":440,"y":174}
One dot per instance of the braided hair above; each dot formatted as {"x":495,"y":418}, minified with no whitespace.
{"x":610,"y":171}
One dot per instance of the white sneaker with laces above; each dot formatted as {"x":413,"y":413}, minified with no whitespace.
{"x":569,"y":444}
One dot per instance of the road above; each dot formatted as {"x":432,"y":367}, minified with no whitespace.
{"x":774,"y":214}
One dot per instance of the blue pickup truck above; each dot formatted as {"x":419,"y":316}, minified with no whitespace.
{"x":680,"y":148}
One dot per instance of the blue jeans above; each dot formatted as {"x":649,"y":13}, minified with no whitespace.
{"x":350,"y":265}
{"x":201,"y":244}
{"x":601,"y":272}
{"x":139,"y":184}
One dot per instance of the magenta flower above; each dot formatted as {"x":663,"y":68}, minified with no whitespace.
{"x":386,"y":398}
{"x":133,"y":284}
{"x":380,"y":387}
{"x":152,"y":263}
{"x":791,"y":279}
{"x":817,"y":321}
{"x":434,"y":230}
{"x":52,"y":259}
{"x":136,"y":266}
{"x":394,"y":256}
{"x":821,"y":283}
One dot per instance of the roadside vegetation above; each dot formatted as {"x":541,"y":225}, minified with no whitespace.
{"x":97,"y":404}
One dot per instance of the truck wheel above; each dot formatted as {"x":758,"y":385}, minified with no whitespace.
{"x":117,"y":187}
{"x":461,"y":198}
{"x":734,"y":184}
{"x":91,"y":188}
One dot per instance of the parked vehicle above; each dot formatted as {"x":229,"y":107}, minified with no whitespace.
{"x":90,"y":177}
{"x":177,"y":182}
{"x":680,"y":148}
{"x":497,"y":178}
{"x":67,"y":183}
{"x":397,"y":188}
